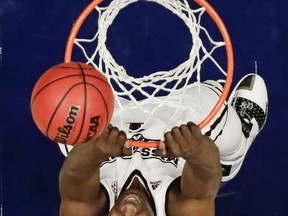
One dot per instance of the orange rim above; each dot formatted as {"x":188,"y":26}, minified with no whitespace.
{"x":230,"y":60}
{"x":152,"y":144}
{"x":229,"y":52}
{"x":75,"y":29}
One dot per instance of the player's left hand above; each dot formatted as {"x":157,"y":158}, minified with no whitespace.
{"x":187,"y":141}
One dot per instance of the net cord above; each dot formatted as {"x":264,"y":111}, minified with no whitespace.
{"x":229,"y":52}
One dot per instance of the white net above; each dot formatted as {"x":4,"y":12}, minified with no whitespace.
{"x":157,"y":90}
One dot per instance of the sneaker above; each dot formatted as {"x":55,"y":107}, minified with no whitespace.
{"x":250,"y":100}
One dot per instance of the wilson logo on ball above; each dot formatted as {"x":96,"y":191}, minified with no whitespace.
{"x":65,"y":131}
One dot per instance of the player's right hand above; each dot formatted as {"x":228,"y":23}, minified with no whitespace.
{"x":112,"y":142}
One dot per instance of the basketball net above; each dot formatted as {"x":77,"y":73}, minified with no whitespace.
{"x":157,"y":88}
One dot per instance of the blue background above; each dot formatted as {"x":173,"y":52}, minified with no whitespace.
{"x":33,"y":37}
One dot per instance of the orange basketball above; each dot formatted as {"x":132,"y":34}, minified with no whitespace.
{"x":72,"y":103}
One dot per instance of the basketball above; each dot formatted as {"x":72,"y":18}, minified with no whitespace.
{"x":72,"y":103}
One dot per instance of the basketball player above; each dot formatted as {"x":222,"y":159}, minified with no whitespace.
{"x":181,"y":177}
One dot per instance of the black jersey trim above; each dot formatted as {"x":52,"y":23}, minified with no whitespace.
{"x":107,"y":208}
{"x":168,"y":191}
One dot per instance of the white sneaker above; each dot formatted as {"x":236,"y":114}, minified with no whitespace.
{"x":250,"y":100}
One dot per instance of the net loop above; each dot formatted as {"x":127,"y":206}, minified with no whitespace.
{"x":156,"y":91}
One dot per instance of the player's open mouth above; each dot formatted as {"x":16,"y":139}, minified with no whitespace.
{"x":131,"y":197}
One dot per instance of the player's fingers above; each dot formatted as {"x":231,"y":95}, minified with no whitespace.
{"x":172,"y":147}
{"x":169,"y":139}
{"x":106,"y":132}
{"x":161,"y":150}
{"x":101,"y":139}
{"x":186,"y":133}
{"x":116,"y":143}
{"x":190,"y":124}
{"x":127,"y":148}
{"x":122,"y":138}
{"x":124,"y":147}
{"x":177,"y":134}
{"x":113,"y":135}
{"x":186,"y":140}
{"x":195,"y":130}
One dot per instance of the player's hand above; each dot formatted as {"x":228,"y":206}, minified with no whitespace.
{"x":112,"y":142}
{"x":187,"y":141}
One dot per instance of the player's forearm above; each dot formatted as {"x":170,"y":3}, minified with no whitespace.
{"x":201,"y":177}
{"x":80,"y":175}
{"x":83,"y":161}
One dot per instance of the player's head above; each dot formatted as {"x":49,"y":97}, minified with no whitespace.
{"x":135,"y":201}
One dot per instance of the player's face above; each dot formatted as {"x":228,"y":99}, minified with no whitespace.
{"x":133,"y":202}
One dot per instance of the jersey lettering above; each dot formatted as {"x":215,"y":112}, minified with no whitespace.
{"x":146,"y":153}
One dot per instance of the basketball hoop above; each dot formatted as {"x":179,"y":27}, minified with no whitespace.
{"x":104,"y":61}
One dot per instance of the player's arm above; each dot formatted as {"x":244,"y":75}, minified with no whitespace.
{"x":196,"y":191}
{"x":79,"y":179}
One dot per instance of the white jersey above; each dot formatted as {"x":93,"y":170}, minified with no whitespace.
{"x":192,"y":105}
{"x":155,"y":173}
{"x":159,"y":116}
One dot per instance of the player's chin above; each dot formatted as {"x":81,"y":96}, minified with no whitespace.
{"x":128,"y":207}
{"x":134,"y":208}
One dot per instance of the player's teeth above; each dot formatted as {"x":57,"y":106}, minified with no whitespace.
{"x":131,"y":199}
